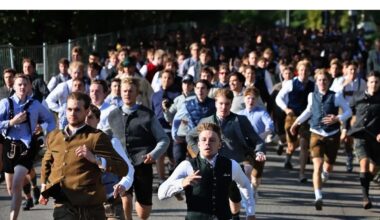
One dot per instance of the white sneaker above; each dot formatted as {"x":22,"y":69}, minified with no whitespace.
{"x":324,"y":176}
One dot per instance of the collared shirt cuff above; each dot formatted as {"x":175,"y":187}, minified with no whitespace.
{"x":103,"y":165}
{"x":126,"y":182}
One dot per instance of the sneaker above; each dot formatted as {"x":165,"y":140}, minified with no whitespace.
{"x":27,"y":204}
{"x":36,"y":195}
{"x":288,"y":166}
{"x":280,"y":149}
{"x":318,"y":204}
{"x":324,"y":176}
{"x":367,"y":204}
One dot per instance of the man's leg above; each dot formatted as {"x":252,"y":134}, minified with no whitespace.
{"x":32,"y":179}
{"x":288,"y":157}
{"x":304,"y":155}
{"x":365,"y":180}
{"x":317,"y":183}
{"x":235,"y":209}
{"x":17,"y":183}
{"x":8,"y":181}
{"x":143,"y":211}
{"x":127,"y":206}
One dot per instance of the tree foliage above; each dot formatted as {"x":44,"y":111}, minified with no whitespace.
{"x":35,"y":27}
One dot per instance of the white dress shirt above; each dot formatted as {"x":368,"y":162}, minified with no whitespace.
{"x":173,"y":184}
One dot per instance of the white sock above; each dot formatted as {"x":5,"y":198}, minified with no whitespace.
{"x":318,"y":194}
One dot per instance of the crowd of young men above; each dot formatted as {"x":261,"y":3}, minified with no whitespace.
{"x":211,"y":118}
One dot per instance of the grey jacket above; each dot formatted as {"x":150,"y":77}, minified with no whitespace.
{"x":238,"y":137}
{"x":117,"y":122}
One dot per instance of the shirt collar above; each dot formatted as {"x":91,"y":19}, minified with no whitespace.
{"x":17,"y":99}
{"x":73,"y":132}
{"x":129,"y":110}
{"x":212,"y":161}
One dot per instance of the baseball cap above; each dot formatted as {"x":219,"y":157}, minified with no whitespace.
{"x":128,"y":61}
{"x":188,"y":78}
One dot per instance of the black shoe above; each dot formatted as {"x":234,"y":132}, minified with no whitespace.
{"x":288,"y":166}
{"x":280,"y":149}
{"x":302,"y":180}
{"x":36,"y":195}
{"x":318,"y":204}
{"x":27,"y":204}
{"x":367,"y":204}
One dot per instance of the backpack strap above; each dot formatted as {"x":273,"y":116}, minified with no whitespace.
{"x":12,"y":112}
{"x":26,"y":107}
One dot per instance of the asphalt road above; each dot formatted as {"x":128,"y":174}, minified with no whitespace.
{"x":281,"y":196}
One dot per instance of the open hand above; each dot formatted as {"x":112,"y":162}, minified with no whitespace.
{"x":148,"y":159}
{"x":191,"y":179}
{"x":19,"y":118}
{"x":330,"y":119}
{"x":118,"y":189}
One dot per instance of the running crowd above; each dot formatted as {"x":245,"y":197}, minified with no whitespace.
{"x":208,"y":106}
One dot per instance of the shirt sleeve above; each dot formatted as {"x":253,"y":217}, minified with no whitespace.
{"x":45,"y":116}
{"x":144,"y":70}
{"x":281,"y":97}
{"x":161,"y":138}
{"x":343,"y":104}
{"x":307,"y":112}
{"x":244,"y":186}
{"x":4,"y":120}
{"x":127,"y":180}
{"x":52,"y":83}
{"x":268,"y":122}
{"x":52,"y":100}
{"x":268,"y":81}
{"x":173,"y":184}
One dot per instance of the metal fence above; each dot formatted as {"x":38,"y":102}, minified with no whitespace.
{"x":46,"y":56}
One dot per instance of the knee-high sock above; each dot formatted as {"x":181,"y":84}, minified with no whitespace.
{"x":26,"y":188}
{"x":365,"y":180}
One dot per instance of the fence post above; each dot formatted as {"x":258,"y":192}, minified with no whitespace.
{"x":69,"y":45}
{"x":45,"y":61}
{"x":94,"y":43}
{"x":11,"y":55}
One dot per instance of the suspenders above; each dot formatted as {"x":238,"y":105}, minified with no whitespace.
{"x":12,"y":112}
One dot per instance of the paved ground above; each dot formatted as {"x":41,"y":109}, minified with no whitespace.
{"x":280,"y":197}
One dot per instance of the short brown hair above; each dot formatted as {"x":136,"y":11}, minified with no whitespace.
{"x":209,"y":127}
{"x":95,"y":110}
{"x":10,"y":70}
{"x":64,"y":61}
{"x":29,"y":60}
{"x":23,"y":76}
{"x":80,"y":96}
{"x":252,"y":91}
{"x":225,"y":93}
{"x":101,"y":82}
{"x":77,"y":49}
